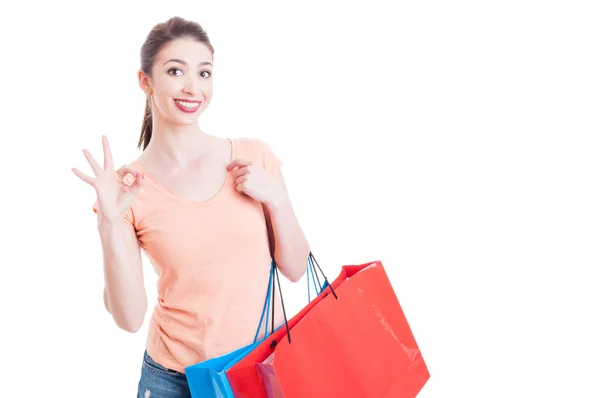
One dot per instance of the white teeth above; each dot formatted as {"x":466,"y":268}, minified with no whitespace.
{"x":188,"y":105}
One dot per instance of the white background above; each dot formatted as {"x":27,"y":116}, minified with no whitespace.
{"x":455,"y":141}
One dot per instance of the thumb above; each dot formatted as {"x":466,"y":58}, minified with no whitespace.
{"x":123,"y":171}
{"x":137,"y":182}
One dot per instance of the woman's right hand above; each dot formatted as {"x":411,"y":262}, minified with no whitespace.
{"x":114,"y":195}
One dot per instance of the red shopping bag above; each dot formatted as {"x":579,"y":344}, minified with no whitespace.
{"x":356,"y":343}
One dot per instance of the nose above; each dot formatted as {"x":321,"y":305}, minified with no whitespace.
{"x":191,"y":86}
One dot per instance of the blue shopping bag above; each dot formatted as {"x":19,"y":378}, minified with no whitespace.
{"x":207,"y":379}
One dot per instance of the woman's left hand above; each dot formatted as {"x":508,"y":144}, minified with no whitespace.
{"x":253,"y":181}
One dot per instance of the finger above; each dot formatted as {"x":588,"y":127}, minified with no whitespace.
{"x":123,"y":171}
{"x":241,"y":180}
{"x":242,"y":171}
{"x":95,"y":166}
{"x":238,"y":163}
{"x":83,"y":176}
{"x":108,"y":160}
{"x":241,"y":187}
{"x":137,"y":183}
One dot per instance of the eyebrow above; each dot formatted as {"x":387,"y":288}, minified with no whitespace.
{"x":185,"y":63}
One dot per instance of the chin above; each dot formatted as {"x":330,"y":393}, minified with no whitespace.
{"x":185,"y":119}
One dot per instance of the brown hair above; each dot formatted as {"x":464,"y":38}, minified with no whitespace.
{"x":161,"y":35}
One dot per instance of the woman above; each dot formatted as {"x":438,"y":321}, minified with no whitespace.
{"x":210,"y":213}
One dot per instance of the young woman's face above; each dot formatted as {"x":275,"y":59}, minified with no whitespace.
{"x":181,"y":82}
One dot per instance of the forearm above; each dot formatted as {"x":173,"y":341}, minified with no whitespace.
{"x":124,"y":293}
{"x":291,"y":248}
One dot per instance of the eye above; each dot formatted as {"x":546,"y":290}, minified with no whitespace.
{"x":207,"y":74}
{"x":173,"y":69}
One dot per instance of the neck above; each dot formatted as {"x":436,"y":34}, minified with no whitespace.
{"x":177,"y":145}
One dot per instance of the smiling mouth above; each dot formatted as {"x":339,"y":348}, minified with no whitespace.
{"x":188,"y":106}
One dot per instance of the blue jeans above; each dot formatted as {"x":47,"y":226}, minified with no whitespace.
{"x":157,"y":381}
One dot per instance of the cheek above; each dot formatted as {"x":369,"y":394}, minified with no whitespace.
{"x":162,"y":93}
{"x":207,"y":89}
{"x":163,"y":101}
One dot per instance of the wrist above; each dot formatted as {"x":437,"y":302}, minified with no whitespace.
{"x":106,"y":224}
{"x":277,"y":200}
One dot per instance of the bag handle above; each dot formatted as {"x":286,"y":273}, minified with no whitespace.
{"x":311,"y":268}
{"x":311,"y":259}
{"x":265,"y":311}
{"x":274,"y":267}
{"x":309,"y":274}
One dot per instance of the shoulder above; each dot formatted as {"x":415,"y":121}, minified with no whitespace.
{"x":259,"y":151}
{"x":256,"y":145}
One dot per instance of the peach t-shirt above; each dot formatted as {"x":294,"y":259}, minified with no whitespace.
{"x":213,"y":261}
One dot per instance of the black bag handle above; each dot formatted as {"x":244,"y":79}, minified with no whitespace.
{"x":311,"y":263}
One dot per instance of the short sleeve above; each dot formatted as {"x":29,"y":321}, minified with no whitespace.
{"x":267,"y":157}
{"x":128,"y":215}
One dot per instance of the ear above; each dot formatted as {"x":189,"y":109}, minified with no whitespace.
{"x":144,"y":81}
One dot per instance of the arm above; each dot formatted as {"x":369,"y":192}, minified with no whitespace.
{"x":289,"y":246}
{"x":264,"y":182}
{"x":124,"y":292}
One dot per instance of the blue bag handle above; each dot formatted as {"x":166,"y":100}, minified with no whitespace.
{"x":266,"y":308}
{"x":312,"y":261}
{"x":310,"y":271}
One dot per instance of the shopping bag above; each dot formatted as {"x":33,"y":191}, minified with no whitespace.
{"x":207,"y":379}
{"x":353,"y":343}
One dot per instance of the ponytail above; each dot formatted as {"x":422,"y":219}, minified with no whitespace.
{"x":146,"y":133}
